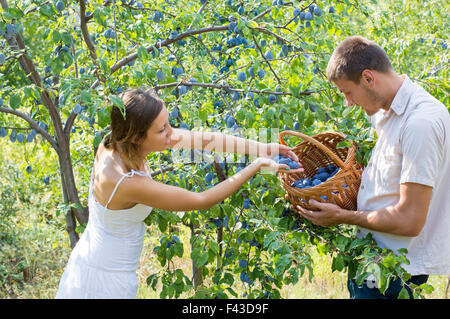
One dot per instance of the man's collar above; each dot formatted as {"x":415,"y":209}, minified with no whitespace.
{"x":398,"y":105}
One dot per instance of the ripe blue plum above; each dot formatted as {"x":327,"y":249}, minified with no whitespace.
{"x":157,"y":16}
{"x":60,"y":6}
{"x":77,"y":108}
{"x":269,"y":55}
{"x":20,"y":138}
{"x":182,"y":90}
{"x":246,"y":203}
{"x":317,"y":11}
{"x":322,"y":176}
{"x":251,"y":72}
{"x":208,"y":178}
{"x":242,"y":76}
{"x":230,"y":121}
{"x":244,"y":277}
{"x":261,"y":73}
{"x":160,"y":75}
{"x":272,"y":98}
{"x":236,"y":96}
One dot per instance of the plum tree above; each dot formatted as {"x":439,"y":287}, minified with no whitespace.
{"x":64,"y":64}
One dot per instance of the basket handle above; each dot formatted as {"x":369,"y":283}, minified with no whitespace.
{"x":333,"y":156}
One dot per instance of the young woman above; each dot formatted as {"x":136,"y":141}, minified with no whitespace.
{"x":122,"y":193}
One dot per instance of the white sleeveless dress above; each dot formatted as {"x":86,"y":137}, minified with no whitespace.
{"x":104,"y":261}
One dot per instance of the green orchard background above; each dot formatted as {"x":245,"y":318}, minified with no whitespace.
{"x":249,"y":68}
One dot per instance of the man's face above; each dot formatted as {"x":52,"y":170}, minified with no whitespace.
{"x":362,"y":95}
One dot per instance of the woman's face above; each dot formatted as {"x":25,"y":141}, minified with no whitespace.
{"x":159,"y":133}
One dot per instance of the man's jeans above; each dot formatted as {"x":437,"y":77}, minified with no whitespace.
{"x":364,"y":292}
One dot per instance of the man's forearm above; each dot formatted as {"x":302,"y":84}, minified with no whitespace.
{"x":388,"y":220}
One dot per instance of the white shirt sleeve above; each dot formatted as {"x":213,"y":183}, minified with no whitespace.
{"x":422,"y":142}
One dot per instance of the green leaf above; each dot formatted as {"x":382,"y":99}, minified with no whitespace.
{"x":203,"y":115}
{"x":15,"y":101}
{"x":12,"y":13}
{"x":57,"y":66}
{"x":55,"y":36}
{"x":47,"y":11}
{"x":100,"y":17}
{"x":117,"y":101}
{"x":103,"y":117}
{"x":344,"y":144}
{"x":341,"y":242}
{"x":179,"y":249}
{"x":403,"y":294}
{"x":86,"y":97}
{"x":67,"y":38}
{"x":104,"y":65}
{"x":142,"y":54}
{"x":338,"y":263}
{"x":214,"y":246}
{"x":202,"y":259}
{"x":31,"y":92}
{"x":97,"y":139}
{"x":162,"y":223}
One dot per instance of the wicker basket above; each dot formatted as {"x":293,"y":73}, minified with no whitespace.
{"x":320,"y":151}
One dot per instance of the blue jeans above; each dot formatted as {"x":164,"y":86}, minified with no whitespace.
{"x":364,"y":292}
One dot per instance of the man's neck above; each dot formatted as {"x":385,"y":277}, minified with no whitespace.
{"x":391,"y":84}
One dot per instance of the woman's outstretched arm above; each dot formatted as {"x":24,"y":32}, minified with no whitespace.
{"x":141,"y":189}
{"x":220,"y":142}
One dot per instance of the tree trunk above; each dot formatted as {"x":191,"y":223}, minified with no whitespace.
{"x":70,"y":219}
{"x":70,"y":193}
{"x":197,"y":276}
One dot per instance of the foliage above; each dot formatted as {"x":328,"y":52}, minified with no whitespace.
{"x":32,"y":240}
{"x":261,"y":63}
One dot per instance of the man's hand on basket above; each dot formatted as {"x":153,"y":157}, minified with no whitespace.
{"x":273,"y":149}
{"x":327,"y":214}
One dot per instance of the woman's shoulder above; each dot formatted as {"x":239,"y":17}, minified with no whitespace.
{"x":106,"y":167}
{"x":109,"y":171}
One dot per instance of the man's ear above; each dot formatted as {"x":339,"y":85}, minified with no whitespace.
{"x":368,"y":78}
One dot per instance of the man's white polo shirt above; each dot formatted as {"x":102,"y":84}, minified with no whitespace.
{"x":413,"y":146}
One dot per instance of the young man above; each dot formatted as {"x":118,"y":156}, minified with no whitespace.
{"x":404,"y":191}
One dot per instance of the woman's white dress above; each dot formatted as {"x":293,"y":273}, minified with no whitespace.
{"x":104,"y":261}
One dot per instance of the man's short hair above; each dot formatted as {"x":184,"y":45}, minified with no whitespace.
{"x":354,"y":55}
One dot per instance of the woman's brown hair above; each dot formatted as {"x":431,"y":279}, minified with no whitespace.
{"x":129,"y":127}
{"x":354,"y":55}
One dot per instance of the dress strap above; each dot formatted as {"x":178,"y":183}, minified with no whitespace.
{"x":129,"y":174}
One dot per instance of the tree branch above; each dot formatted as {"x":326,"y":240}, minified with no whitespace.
{"x":268,"y":63}
{"x":29,"y":69}
{"x":161,"y":44}
{"x":87,"y":39}
{"x":33,"y":124}
{"x":228,"y":88}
